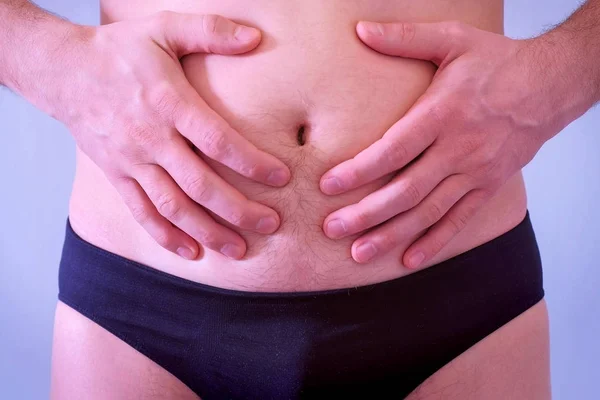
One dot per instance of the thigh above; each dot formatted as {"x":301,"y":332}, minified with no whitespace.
{"x":88,"y":362}
{"x":511,"y":363}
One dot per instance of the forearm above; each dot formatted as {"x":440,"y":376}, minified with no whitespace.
{"x":33,"y":48}
{"x":571,"y":60}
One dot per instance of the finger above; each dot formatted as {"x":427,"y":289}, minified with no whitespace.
{"x":207,"y":188}
{"x":214,"y":137}
{"x":196,"y":33}
{"x":401,"y":144}
{"x":404,"y":192}
{"x":433,"y":41}
{"x":445,"y":230}
{"x":158,"y":227}
{"x":176,"y":207}
{"x":399,"y":229}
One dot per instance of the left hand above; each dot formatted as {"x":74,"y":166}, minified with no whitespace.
{"x":484,"y":116}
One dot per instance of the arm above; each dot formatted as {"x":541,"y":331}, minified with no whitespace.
{"x":121,"y":91}
{"x":492,"y":103}
{"x":31,"y":40}
{"x":569,"y":62}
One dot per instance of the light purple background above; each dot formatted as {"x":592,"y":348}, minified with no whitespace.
{"x":36,"y":170}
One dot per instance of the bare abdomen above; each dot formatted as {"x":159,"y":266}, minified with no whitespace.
{"x":310,"y":73}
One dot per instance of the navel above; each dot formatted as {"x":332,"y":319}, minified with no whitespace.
{"x":301,"y":135}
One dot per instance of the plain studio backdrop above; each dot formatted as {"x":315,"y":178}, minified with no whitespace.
{"x":37,"y":167}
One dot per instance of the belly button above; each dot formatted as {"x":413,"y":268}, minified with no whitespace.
{"x":301,"y":137}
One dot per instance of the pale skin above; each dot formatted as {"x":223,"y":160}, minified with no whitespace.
{"x":493,"y":102}
{"x":143,"y":148}
{"x":152,"y":216}
{"x":166,"y":186}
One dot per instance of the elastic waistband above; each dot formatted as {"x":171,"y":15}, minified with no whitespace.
{"x":512,"y":257}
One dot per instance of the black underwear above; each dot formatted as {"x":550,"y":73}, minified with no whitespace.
{"x":375,"y":341}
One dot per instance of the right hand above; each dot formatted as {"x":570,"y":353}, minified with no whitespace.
{"x":131,"y":109}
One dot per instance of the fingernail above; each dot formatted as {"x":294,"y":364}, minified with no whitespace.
{"x":245,"y":33}
{"x":185,"y":253}
{"x":232,"y":251}
{"x":277,"y":177}
{"x":336,"y":228}
{"x":373,"y":28}
{"x":415,"y":260}
{"x":332,"y":185}
{"x":365,"y":252}
{"x":266,"y":225}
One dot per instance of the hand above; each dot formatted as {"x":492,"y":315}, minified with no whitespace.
{"x":133,"y":112}
{"x":483,"y":118}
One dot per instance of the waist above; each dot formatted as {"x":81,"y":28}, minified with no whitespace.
{"x":309,"y":71}
{"x":344,"y":337}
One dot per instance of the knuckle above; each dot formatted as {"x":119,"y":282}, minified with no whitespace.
{"x":438,"y":112}
{"x":208,"y":238}
{"x":412,"y":193}
{"x":140,"y":214}
{"x":215,"y":142}
{"x":352,"y":176}
{"x":168,"y":206}
{"x":137,"y":133}
{"x":137,"y":142}
{"x":395,"y":154}
{"x":407,"y":32}
{"x":436,"y":244}
{"x":470,"y":144}
{"x":163,"y":98}
{"x":186,"y":118}
{"x":388,"y":240}
{"x":363,"y":218}
{"x":164,"y":238}
{"x":198,"y":188}
{"x":433,"y":213}
{"x":238,"y":218}
{"x":252,"y":170}
{"x":210,"y":23}
{"x":458,"y":221}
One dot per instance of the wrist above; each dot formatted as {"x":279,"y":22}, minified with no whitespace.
{"x":564,"y":68}
{"x":52,"y":82}
{"x":37,"y":53}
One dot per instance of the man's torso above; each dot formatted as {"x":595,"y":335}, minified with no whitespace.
{"x":312,"y":71}
{"x":309,"y":71}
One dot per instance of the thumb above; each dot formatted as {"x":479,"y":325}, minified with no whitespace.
{"x":195,"y":33}
{"x":432,"y":41}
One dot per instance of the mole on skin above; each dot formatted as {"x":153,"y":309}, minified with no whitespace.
{"x":300,"y":138}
